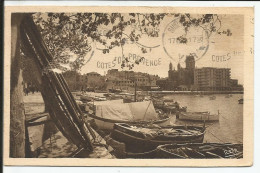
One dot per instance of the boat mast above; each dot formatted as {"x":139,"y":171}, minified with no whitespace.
{"x":135,"y":92}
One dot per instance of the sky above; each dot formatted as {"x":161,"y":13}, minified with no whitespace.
{"x":218,"y":51}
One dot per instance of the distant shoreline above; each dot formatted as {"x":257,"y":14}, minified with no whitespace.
{"x":197,"y":92}
{"x":182,"y":92}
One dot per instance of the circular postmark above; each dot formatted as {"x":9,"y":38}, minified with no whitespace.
{"x":178,"y":43}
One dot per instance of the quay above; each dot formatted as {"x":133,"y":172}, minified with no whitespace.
{"x":197,"y":92}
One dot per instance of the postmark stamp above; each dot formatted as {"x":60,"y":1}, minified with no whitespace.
{"x":177,"y":43}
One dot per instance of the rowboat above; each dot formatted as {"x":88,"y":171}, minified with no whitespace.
{"x":197,"y":116}
{"x":86,"y":98}
{"x":141,"y":138}
{"x":168,"y":106}
{"x":114,"y":90}
{"x":100,"y":98}
{"x":107,"y":113}
{"x":201,"y":151}
{"x":108,"y":124}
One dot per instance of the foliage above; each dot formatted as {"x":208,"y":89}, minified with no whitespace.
{"x":66,"y":33}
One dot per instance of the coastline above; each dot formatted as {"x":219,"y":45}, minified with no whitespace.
{"x":197,"y":92}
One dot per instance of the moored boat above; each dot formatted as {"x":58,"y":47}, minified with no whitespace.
{"x":100,"y":98}
{"x":114,"y":90}
{"x":197,"y":116}
{"x":108,"y":113}
{"x":168,"y":105}
{"x":201,"y":151}
{"x":86,"y":98}
{"x":146,"y":137}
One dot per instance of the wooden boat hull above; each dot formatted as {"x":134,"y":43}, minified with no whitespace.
{"x":200,"y":151}
{"x":144,"y":155}
{"x":137,"y":142}
{"x":201,"y":117}
{"x":108,"y":124}
{"x":119,"y":150}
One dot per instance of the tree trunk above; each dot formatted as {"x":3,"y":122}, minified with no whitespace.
{"x":17,"y":115}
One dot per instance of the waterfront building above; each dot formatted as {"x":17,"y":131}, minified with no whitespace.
{"x":233,"y":82}
{"x":165,"y":84}
{"x":212,"y":79}
{"x":126,"y":80}
{"x":78,"y":82}
{"x":234,"y":86}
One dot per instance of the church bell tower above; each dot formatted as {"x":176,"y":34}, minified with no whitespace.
{"x":190,"y":63}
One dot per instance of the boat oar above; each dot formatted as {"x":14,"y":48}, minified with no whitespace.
{"x":180,"y":150}
{"x":213,"y":154}
{"x":199,"y":153}
{"x":195,"y":153}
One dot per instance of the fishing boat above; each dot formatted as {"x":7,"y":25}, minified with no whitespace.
{"x":91,"y":96}
{"x":168,"y":106}
{"x":119,"y":150}
{"x":241,"y":101}
{"x":100,"y":98}
{"x":157,"y":96}
{"x":114,"y":90}
{"x":212,"y":97}
{"x":197,"y":116}
{"x":114,"y":96}
{"x":107,"y":113}
{"x":140,"y":138}
{"x":86,"y":98}
{"x":201,"y":151}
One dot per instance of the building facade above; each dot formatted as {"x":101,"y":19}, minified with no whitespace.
{"x":235,"y":86}
{"x":212,"y":79}
{"x":126,"y":80}
{"x":79,"y":82}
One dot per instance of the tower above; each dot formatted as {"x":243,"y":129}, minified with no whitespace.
{"x":170,"y":66}
{"x":190,"y":63}
{"x":190,"y":67}
{"x":178,"y":67}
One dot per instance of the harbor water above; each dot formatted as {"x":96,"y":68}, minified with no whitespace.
{"x":229,"y":129}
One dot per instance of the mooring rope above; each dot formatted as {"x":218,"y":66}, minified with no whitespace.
{"x":216,"y":137}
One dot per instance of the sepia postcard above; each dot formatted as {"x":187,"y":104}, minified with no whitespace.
{"x":128,"y":86}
